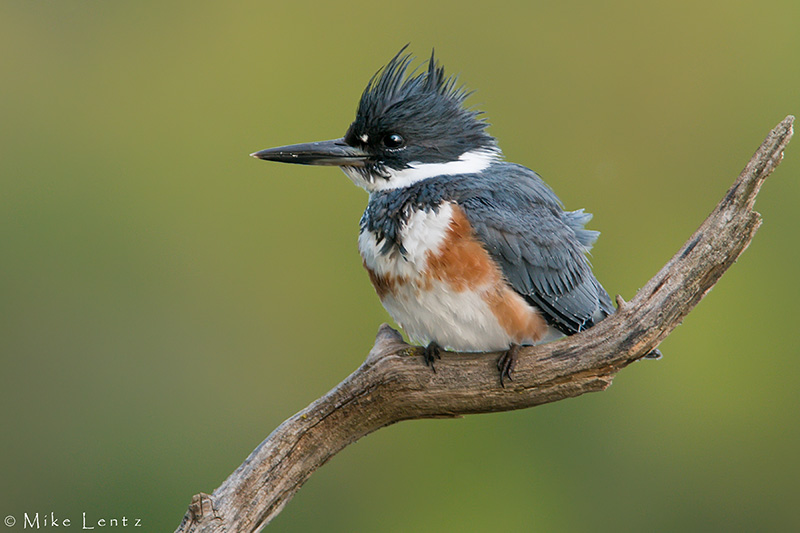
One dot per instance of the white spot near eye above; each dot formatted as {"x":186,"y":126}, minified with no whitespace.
{"x":364,"y":138}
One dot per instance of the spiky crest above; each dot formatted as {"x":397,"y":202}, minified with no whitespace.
{"x":428,"y":107}
{"x":394,"y":84}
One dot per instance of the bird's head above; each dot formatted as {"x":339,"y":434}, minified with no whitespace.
{"x":409,"y":126}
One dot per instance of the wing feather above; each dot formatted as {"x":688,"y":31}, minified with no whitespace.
{"x":539,"y":246}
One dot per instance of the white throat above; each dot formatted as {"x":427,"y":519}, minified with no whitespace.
{"x":468,"y":163}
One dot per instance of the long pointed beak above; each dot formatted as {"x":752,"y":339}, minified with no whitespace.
{"x":335,"y":152}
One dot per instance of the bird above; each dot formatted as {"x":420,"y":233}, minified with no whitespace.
{"x":466,"y":251}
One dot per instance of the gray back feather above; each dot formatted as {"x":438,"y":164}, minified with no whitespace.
{"x":539,"y":246}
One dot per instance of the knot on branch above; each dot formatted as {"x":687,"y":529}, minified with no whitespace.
{"x":388,"y":341}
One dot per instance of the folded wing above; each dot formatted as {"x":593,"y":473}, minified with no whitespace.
{"x":540,"y":247}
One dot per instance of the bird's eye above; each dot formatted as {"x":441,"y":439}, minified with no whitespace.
{"x":393,"y":140}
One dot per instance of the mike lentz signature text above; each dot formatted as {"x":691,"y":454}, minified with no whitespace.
{"x":50,"y":520}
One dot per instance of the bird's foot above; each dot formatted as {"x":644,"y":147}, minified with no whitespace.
{"x":431,"y":352}
{"x":655,"y":353}
{"x":507,"y":362}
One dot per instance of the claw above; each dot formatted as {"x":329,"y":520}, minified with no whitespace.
{"x":655,"y":353}
{"x":507,"y":362}
{"x":432,"y":352}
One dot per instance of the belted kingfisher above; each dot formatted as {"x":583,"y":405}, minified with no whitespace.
{"x":466,"y":251}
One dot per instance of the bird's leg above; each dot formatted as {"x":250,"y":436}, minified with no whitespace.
{"x":507,"y":362}
{"x":431,"y":352}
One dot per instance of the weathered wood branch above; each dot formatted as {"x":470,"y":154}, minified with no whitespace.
{"x":392,"y":385}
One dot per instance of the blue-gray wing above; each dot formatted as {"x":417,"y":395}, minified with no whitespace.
{"x":540,"y":247}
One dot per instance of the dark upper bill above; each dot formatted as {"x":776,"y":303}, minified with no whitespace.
{"x":335,"y":152}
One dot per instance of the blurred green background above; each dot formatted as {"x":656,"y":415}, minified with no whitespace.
{"x":166,"y":300}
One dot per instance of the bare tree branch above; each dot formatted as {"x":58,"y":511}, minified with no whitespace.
{"x":393,"y":384}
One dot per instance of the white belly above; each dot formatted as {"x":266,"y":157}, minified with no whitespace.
{"x":460,"y":321}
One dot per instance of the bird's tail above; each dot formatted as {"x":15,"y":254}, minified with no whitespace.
{"x":577,"y":220}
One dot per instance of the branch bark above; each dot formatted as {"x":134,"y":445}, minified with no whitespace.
{"x":391,"y":385}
